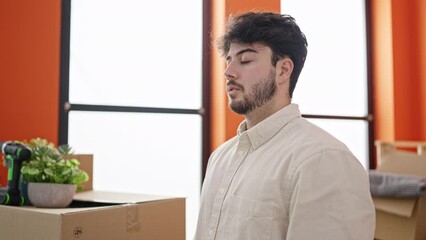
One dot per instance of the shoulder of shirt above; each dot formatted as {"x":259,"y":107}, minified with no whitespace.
{"x":313,"y":140}
{"x":316,"y":144}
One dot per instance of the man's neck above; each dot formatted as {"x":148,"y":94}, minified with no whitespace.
{"x":261,"y":113}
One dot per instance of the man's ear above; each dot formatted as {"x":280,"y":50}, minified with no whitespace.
{"x":284,"y":69}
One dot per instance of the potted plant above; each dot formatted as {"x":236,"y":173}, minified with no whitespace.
{"x":52,"y":174}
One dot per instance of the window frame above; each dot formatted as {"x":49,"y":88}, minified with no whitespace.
{"x":65,"y":106}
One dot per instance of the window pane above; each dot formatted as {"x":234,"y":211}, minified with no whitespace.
{"x":353,"y":133}
{"x":123,"y":52}
{"x":156,"y":154}
{"x":334,"y":79}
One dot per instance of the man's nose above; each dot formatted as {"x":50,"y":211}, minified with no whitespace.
{"x":231,"y":71}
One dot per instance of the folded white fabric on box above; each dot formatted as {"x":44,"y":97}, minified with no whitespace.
{"x":384,"y":184}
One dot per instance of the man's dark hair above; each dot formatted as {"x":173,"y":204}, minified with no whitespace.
{"x":279,"y":32}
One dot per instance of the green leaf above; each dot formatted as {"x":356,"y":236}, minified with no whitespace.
{"x":48,"y":171}
{"x":33,"y":171}
{"x":66,"y":171}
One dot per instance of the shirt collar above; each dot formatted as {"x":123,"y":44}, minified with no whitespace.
{"x":266,"y":129}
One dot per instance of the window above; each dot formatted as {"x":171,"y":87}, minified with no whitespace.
{"x":333,"y":87}
{"x":131,"y":85}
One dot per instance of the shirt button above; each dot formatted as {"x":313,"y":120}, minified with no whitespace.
{"x":211,"y":232}
{"x":222,"y":190}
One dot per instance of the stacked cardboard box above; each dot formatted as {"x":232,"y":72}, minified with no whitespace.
{"x":401,"y":219}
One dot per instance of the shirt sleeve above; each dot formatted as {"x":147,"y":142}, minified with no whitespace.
{"x":330,"y":199}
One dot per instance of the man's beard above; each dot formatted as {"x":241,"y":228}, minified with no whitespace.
{"x":261,"y":93}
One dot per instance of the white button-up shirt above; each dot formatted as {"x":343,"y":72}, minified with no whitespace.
{"x":285,"y":179}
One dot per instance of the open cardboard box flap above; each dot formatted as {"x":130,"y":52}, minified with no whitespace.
{"x":116,"y":197}
{"x":406,"y":163}
{"x":400,"y":207}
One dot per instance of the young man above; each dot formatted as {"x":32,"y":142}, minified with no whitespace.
{"x":281,"y":177}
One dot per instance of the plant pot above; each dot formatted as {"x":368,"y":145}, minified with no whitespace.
{"x":51,"y":195}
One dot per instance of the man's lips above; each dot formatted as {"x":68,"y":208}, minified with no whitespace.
{"x":232,"y":88}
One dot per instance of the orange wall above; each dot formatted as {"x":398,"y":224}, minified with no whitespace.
{"x":29,"y":70}
{"x":421,"y":10}
{"x":406,"y":46}
{"x":224,"y":122}
{"x":383,"y":70}
{"x":399,"y":79}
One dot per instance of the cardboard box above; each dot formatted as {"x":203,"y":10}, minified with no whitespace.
{"x":401,"y":219}
{"x":98,"y":215}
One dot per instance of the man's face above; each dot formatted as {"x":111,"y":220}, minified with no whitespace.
{"x":250,"y":77}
